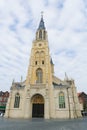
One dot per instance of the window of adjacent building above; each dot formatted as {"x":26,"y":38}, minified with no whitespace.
{"x":5,"y":99}
{"x":39,"y":75}
{"x":17,"y":101}
{"x":61,"y":100}
{"x":0,"y":98}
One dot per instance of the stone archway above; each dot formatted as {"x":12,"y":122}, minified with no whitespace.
{"x":37,"y":106}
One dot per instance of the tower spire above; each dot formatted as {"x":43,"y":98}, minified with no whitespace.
{"x":41,"y":24}
{"x":41,"y":33}
{"x":66,"y":77}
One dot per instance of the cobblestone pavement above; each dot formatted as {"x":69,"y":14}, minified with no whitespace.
{"x":42,"y":124}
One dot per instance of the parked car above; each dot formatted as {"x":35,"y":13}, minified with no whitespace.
{"x":1,"y":114}
{"x":84,"y":113}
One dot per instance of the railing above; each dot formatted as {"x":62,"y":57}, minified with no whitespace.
{"x":37,"y":86}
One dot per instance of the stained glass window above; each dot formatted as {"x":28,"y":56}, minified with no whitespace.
{"x":39,"y":75}
{"x":17,"y":101}
{"x":61,"y":100}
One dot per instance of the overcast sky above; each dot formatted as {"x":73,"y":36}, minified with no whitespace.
{"x":66,"y":24}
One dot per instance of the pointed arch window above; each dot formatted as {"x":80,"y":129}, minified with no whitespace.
{"x":61,"y":100}
{"x":40,"y":34}
{"x":44,"y":35}
{"x":17,"y":101}
{"x":36,"y":58}
{"x":42,"y":57}
{"x":42,"y":54}
{"x":37,"y":54}
{"x":39,"y":75}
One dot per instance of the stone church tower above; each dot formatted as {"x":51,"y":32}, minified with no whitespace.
{"x":42,"y":94}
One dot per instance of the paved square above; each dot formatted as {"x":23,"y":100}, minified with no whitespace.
{"x":42,"y":124}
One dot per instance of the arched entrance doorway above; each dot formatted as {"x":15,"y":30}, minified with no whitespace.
{"x":37,"y":106}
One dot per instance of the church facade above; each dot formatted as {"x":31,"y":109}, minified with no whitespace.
{"x":42,"y":94}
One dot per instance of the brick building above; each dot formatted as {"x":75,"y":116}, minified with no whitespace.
{"x":83,"y":100}
{"x":3,"y":100}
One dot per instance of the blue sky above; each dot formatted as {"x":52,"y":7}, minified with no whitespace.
{"x":66,"y":24}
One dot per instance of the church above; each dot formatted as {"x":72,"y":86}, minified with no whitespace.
{"x":42,"y":94}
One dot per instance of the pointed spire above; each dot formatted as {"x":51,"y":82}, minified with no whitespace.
{"x":41,"y":33}
{"x":66,"y":77}
{"x":13,"y":81}
{"x":51,"y":61}
{"x":41,"y":24}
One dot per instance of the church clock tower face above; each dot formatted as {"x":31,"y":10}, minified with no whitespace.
{"x":39,"y":70}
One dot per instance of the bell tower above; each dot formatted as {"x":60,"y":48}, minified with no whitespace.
{"x":41,"y":33}
{"x":39,"y":70}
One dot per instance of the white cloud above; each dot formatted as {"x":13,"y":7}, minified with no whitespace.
{"x":66,"y":24}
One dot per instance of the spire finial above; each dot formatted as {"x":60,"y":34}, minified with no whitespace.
{"x":42,"y":14}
